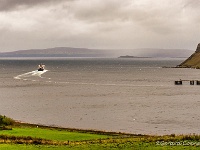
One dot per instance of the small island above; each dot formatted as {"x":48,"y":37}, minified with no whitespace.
{"x":128,"y":56}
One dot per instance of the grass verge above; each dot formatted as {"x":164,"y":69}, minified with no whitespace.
{"x":31,"y":136}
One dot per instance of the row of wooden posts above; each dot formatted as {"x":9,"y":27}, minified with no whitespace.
{"x":192,"y":82}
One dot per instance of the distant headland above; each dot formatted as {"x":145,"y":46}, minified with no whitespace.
{"x":193,"y":61}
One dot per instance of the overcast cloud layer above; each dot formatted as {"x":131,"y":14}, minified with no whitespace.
{"x":127,"y":24}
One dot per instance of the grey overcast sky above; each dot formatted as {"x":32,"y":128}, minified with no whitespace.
{"x":108,"y":24}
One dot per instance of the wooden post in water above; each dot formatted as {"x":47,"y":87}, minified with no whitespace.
{"x":198,"y":82}
{"x":178,"y":82}
{"x":192,"y":82}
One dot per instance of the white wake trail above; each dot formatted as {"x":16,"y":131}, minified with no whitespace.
{"x":30,"y":74}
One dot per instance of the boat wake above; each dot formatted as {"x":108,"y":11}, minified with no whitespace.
{"x":30,"y":74}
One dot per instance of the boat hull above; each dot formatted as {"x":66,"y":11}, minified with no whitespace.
{"x":40,"y":69}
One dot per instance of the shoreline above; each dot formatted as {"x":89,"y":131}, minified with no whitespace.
{"x":95,"y":131}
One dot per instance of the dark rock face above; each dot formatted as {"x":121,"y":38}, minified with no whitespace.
{"x":198,"y":48}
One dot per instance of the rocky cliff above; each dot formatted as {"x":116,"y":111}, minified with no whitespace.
{"x":198,"y":48}
{"x":193,"y":61}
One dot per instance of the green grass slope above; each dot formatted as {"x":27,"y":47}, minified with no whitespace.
{"x":19,"y":136}
{"x":193,"y":61}
{"x":52,"y":134}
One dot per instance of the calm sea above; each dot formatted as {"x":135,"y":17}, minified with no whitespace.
{"x":112,"y":94}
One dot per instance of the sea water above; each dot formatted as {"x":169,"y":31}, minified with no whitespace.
{"x":113,"y":94}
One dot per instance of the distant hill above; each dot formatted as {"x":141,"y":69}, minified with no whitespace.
{"x":85,"y":52}
{"x":193,"y":61}
{"x":58,"y":52}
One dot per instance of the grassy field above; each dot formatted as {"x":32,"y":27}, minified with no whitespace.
{"x":44,"y":138}
{"x":34,"y":137}
{"x":52,"y":134}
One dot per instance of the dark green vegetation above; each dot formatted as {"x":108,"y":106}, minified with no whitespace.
{"x":5,"y":121}
{"x":30,"y":136}
{"x":193,"y":61}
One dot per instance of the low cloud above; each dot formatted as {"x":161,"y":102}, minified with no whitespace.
{"x":99,"y":23}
